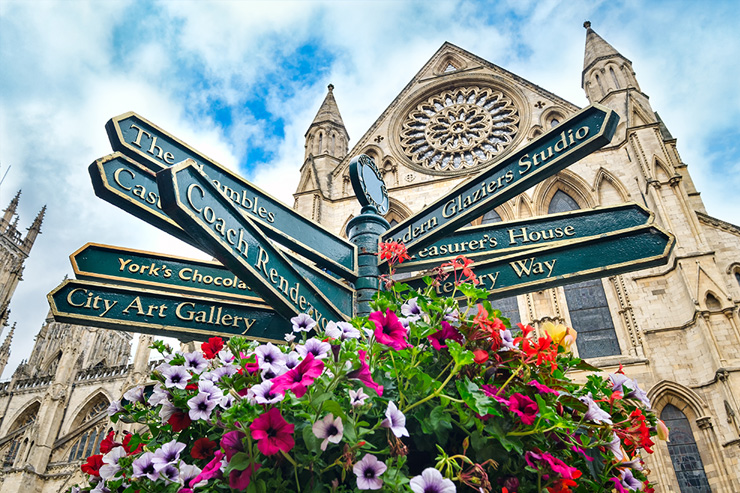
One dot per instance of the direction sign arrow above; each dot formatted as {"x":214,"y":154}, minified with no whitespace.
{"x":156,"y":149}
{"x":568,"y":262}
{"x":162,"y":313}
{"x":133,"y":188}
{"x":495,"y":240}
{"x":580,"y":135}
{"x":208,"y":215}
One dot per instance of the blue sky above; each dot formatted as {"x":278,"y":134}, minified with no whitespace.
{"x":241,"y":81}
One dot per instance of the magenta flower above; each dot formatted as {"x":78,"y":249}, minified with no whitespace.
{"x":491,"y":391}
{"x":232,"y":443}
{"x":447,"y":332}
{"x":431,"y":481}
{"x":389,"y":330}
{"x":212,"y":469}
{"x":524,"y":407}
{"x":555,"y":464}
{"x":364,"y":375}
{"x":368,"y":471}
{"x":299,"y":378}
{"x":239,"y":480}
{"x":542,"y":388}
{"x":272,"y":433}
{"x":330,"y":429}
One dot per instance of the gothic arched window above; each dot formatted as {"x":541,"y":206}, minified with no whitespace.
{"x":614,"y":78}
{"x":737,"y":277}
{"x":589,"y":311}
{"x":509,"y":306}
{"x":89,"y":442}
{"x":684,"y":453}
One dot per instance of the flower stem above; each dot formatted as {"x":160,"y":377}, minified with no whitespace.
{"x":436,"y":393}
{"x":507,"y":382}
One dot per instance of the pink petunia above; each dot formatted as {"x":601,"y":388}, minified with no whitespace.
{"x":364,"y":375}
{"x":524,"y":407}
{"x":239,"y":480}
{"x":212,"y":469}
{"x":542,"y":388}
{"x":439,"y":338}
{"x":272,"y":432}
{"x":389,"y":330}
{"x":299,"y":378}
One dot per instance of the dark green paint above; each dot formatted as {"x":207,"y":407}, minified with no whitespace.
{"x":495,"y":239}
{"x":156,"y":313}
{"x":191,"y":199}
{"x":507,"y":178}
{"x":156,"y":149}
{"x":590,"y":258}
{"x":368,"y":184}
{"x":133,"y":179}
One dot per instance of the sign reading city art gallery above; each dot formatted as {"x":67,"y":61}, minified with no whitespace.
{"x":161,"y":313}
{"x":583,"y":133}
{"x":155,"y":149}
{"x":206,"y":214}
{"x":496,"y":239}
{"x":568,"y":262}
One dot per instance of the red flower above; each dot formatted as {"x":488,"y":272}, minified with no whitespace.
{"x":179,"y":421}
{"x":299,"y":378}
{"x":394,"y":252}
{"x":203,"y":448}
{"x":448,"y":332}
{"x":462,"y":270}
{"x":93,"y":465}
{"x":480,"y":356}
{"x":212,"y":347}
{"x":107,"y":443}
{"x":389,"y":330}
{"x":272,"y":433}
{"x":364,"y":375}
{"x":127,"y":447}
{"x":524,"y":407}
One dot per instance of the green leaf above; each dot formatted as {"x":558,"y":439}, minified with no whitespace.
{"x":582,"y":365}
{"x":334,"y":408}
{"x":461,"y":355}
{"x":473,"y":397}
{"x":439,"y":418}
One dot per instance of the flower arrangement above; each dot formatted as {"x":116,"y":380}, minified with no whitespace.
{"x":425,"y":395}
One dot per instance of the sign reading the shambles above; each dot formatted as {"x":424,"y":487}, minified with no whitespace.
{"x":155,"y":149}
{"x":583,"y":133}
{"x":162,"y":313}
{"x":568,"y":262}
{"x":193,"y":201}
{"x":496,"y":239}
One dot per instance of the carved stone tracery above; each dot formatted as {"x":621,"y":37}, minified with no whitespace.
{"x":459,"y":129}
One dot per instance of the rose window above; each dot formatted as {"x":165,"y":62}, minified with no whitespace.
{"x":459,"y":129}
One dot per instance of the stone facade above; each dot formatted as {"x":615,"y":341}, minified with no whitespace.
{"x":675,"y":328}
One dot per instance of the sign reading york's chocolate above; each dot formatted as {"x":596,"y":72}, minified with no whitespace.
{"x":580,"y":135}
{"x":191,"y":199}
{"x":156,"y":149}
{"x":162,"y":313}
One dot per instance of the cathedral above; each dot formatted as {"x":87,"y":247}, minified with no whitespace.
{"x":674,"y":328}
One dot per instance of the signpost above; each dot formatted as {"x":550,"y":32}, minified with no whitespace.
{"x":162,"y":313}
{"x":583,"y":133}
{"x":568,"y":262}
{"x":155,"y":149}
{"x":191,"y":199}
{"x":497,"y":239}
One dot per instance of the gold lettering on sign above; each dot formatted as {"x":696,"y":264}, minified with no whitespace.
{"x":531,"y":266}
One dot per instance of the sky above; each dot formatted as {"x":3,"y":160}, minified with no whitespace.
{"x":242,"y":81}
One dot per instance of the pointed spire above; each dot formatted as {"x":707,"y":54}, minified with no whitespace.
{"x":329,"y":111}
{"x":596,"y":47}
{"x":10,"y":211}
{"x":34,"y":230}
{"x":5,"y":349}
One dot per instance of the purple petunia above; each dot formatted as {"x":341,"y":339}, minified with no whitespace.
{"x":330,"y":429}
{"x":594,"y":412}
{"x":357,"y":397}
{"x":169,"y":453}
{"x":303,"y":323}
{"x":176,"y":376}
{"x":110,"y":465}
{"x":262,"y":394}
{"x":195,"y":362}
{"x":342,"y":331}
{"x":170,"y":473}
{"x":269,"y":357}
{"x":395,"y":420}
{"x":159,"y":395}
{"x":292,"y":359}
{"x":411,"y":310}
{"x":633,"y":390}
{"x":368,"y":471}
{"x":208,"y":387}
{"x":318,"y":348}
{"x":188,"y":472}
{"x":431,"y":481}
{"x":143,"y":466}
{"x":135,"y":395}
{"x":201,"y":406}
{"x":115,"y":407}
{"x":507,"y":340}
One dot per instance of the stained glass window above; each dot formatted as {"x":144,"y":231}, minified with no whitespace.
{"x":589,"y":310}
{"x":684,"y":453}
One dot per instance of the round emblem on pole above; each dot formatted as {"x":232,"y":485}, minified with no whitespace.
{"x":368,"y":184}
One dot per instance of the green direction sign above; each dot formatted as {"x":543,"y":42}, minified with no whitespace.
{"x":580,"y":135}
{"x":495,"y":240}
{"x":156,"y":149}
{"x":162,"y":313}
{"x":208,"y":215}
{"x":568,"y":262}
{"x":133,"y":188}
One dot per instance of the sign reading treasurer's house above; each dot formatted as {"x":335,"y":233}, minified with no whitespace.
{"x":257,"y":286}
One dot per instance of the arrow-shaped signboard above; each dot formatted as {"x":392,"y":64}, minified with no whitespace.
{"x":568,"y":262}
{"x":156,"y":149}
{"x":583,"y":133}
{"x":497,"y":239}
{"x":191,"y":199}
{"x":162,"y":313}
{"x":133,"y":188}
